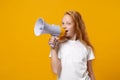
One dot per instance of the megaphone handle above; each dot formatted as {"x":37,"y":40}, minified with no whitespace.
{"x":52,"y":45}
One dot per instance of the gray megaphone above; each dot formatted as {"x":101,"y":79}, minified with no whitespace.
{"x":43,"y":28}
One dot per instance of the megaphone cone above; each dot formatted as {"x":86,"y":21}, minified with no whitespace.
{"x":43,"y":28}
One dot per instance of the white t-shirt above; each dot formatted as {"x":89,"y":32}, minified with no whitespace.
{"x":74,"y":56}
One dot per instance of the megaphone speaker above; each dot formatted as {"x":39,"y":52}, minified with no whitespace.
{"x":43,"y":28}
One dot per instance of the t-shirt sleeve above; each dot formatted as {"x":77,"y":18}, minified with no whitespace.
{"x":90,"y":54}
{"x":59,"y":54}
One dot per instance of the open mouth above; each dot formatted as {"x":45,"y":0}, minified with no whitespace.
{"x":66,"y":31}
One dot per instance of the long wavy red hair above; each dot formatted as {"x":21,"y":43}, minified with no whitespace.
{"x":80,"y":27}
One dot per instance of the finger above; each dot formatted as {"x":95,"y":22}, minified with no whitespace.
{"x":51,"y":39}
{"x":57,"y":38}
{"x":52,"y":45}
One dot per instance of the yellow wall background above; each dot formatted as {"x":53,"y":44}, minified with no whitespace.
{"x":23,"y":56}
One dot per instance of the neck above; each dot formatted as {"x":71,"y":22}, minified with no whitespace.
{"x":74,"y":37}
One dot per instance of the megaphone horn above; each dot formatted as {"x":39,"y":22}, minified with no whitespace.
{"x":43,"y":28}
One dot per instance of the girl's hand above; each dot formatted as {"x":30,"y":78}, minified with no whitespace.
{"x":53,"y":42}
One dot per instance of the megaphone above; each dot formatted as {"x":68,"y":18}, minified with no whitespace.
{"x":43,"y":28}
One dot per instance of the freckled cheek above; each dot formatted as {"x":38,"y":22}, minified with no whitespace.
{"x":71,"y":32}
{"x":72,"y":29}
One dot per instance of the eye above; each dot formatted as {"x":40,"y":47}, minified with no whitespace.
{"x":69,"y":23}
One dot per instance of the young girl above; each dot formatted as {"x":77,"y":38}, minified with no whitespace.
{"x":71,"y":58}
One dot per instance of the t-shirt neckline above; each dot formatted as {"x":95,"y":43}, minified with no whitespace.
{"x":73,"y":41}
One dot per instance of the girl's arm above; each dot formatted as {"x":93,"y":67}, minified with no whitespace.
{"x":55,"y":61}
{"x":90,"y":70}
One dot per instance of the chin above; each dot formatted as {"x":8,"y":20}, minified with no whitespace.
{"x":67,"y":36}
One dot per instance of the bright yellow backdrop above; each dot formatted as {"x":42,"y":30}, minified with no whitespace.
{"x":23,"y":56}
